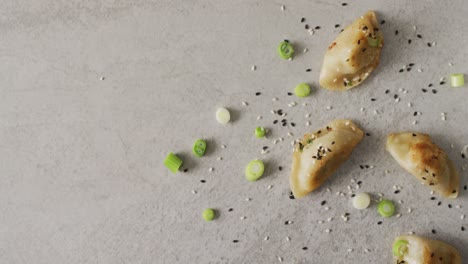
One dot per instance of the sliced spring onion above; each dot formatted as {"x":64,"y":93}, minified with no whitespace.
{"x":361,"y":201}
{"x":285,"y":50}
{"x":457,"y":80}
{"x":199,"y":148}
{"x":373,"y":42}
{"x":260,"y":132}
{"x":254,"y":170}
{"x":302,"y":90}
{"x":386,"y":208}
{"x":172,"y":162}
{"x":400,"y":247}
{"x":223,"y":116}
{"x":209,"y":214}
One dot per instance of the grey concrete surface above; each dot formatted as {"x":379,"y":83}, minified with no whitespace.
{"x":94,"y":94}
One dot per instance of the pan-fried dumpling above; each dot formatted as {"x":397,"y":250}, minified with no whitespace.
{"x":426,"y":161}
{"x":353,"y":55}
{"x":320,"y":153}
{"x":419,"y":250}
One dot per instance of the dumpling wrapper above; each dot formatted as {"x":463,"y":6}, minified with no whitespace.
{"x":320,"y":153}
{"x":426,"y":161}
{"x":422,"y":250}
{"x":350,"y":58}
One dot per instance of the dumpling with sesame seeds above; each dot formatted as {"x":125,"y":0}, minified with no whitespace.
{"x":319,"y":154}
{"x":417,"y":154}
{"x":413,"y":249}
{"x":353,"y":55}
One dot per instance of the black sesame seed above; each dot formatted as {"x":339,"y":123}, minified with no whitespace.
{"x":317,"y":27}
{"x":462,"y":228}
{"x":304,"y":248}
{"x":258,"y":93}
{"x":306,"y":26}
{"x":202,"y":181}
{"x":465,"y":187}
{"x":442,"y":83}
{"x":396,"y":32}
{"x":341,"y":30}
{"x":337,"y":25}
{"x":352,"y":195}
{"x":387,"y":91}
{"x":432,"y":255}
{"x":382,"y":22}
{"x":291,"y":196}
{"x":280,"y":112}
{"x":368,"y":134}
{"x":395,"y":96}
{"x":423,"y":90}
{"x":379,"y":222}
{"x":434,"y":91}
{"x":284,"y":124}
{"x":367,"y":166}
{"x":365,"y":28}
{"x":439,"y":203}
{"x":463,"y":155}
{"x":323,"y":203}
{"x":433,"y":198}
{"x":362,"y":167}
{"x":235,"y":241}
{"x":415,"y":113}
{"x":289,"y":94}
{"x":409,"y":41}
{"x":429,"y":44}
{"x":373,"y":99}
{"x":275,"y":121}
{"x":333,"y":143}
{"x":396,"y":191}
{"x":359,"y":182}
{"x":408,"y":69}
{"x":280,"y":168}
{"x":433,"y":174}
{"x":185,"y":170}
{"x":424,"y":178}
{"x":293,"y":124}
{"x":433,"y":231}
{"x":364,"y":49}
{"x":308,"y":70}
{"x":454,"y":191}
{"x":303,"y":20}
{"x":411,"y":64}
{"x":265,"y":148}
{"x":344,"y":4}
{"x":450,"y":206}
{"x":430,"y":85}
{"x":287,"y":222}
{"x":287,"y":41}
{"x":419,"y":36}
{"x":414,"y":135}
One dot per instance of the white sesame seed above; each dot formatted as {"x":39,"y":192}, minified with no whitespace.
{"x":266,"y":238}
{"x":350,"y":250}
{"x":405,"y":91}
{"x":444,"y":118}
{"x":400,"y":201}
{"x":280,"y":259}
{"x":329,"y":107}
{"x":330,"y":219}
{"x":327,"y":208}
{"x":434,"y":43}
{"x":345,"y":219}
{"x":397,"y":100}
{"x":243,"y":218}
{"x":273,"y":112}
{"x":387,"y":171}
{"x":420,"y":70}
{"x":346,"y":123}
{"x":305,"y":50}
{"x":320,"y":221}
{"x":380,"y":194}
{"x":410,"y":210}
{"x":270,"y":186}
{"x":372,"y":166}
{"x":254,"y":68}
{"x":288,"y":239}
{"x":290,"y":59}
{"x":259,"y":117}
{"x":450,"y":64}
{"x":432,"y":192}
{"x":398,"y":215}
{"x":411,"y":233}
{"x":283,"y":8}
{"x":362,"y":109}
{"x":442,"y":79}
{"x":305,"y":104}
{"x":220,"y":158}
{"x":410,"y":104}
{"x":394,"y":187}
{"x":275,"y":142}
{"x":311,"y":31}
{"x":414,"y":28}
{"x":366,"y":250}
{"x":462,"y":217}
{"x":102,"y":78}
{"x":307,"y":123}
{"x":290,"y":134}
{"x":281,"y":139}
{"x":357,"y":186}
{"x":415,"y":122}
{"x":194,"y":191}
{"x":349,"y":187}
{"x":211,"y":169}
{"x":342,"y":194}
{"x":328,"y":230}
{"x":274,"y":99}
{"x":245,"y":104}
{"x":307,"y":115}
{"x":223,"y":146}
{"x":338,"y":193}
{"x":375,"y":112}
{"x":458,"y":206}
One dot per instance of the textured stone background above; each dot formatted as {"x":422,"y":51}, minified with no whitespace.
{"x":81,"y":174}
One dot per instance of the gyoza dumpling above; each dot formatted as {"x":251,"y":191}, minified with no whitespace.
{"x":419,"y":250}
{"x":320,"y":153}
{"x":426,"y":161}
{"x":353,"y":55}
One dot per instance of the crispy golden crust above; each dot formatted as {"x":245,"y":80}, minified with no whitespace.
{"x":320,"y":153}
{"x":426,"y":161}
{"x":422,"y":250}
{"x":350,"y":58}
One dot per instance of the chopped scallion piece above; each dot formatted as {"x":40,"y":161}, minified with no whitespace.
{"x":285,"y":50}
{"x":386,"y":208}
{"x":172,"y":162}
{"x":260,"y":132}
{"x":361,"y":201}
{"x":400,"y":247}
{"x":199,"y":148}
{"x":209,"y":214}
{"x":457,"y":80}
{"x":302,"y":90}
{"x":222,"y":115}
{"x":254,"y":170}
{"x":373,"y":42}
